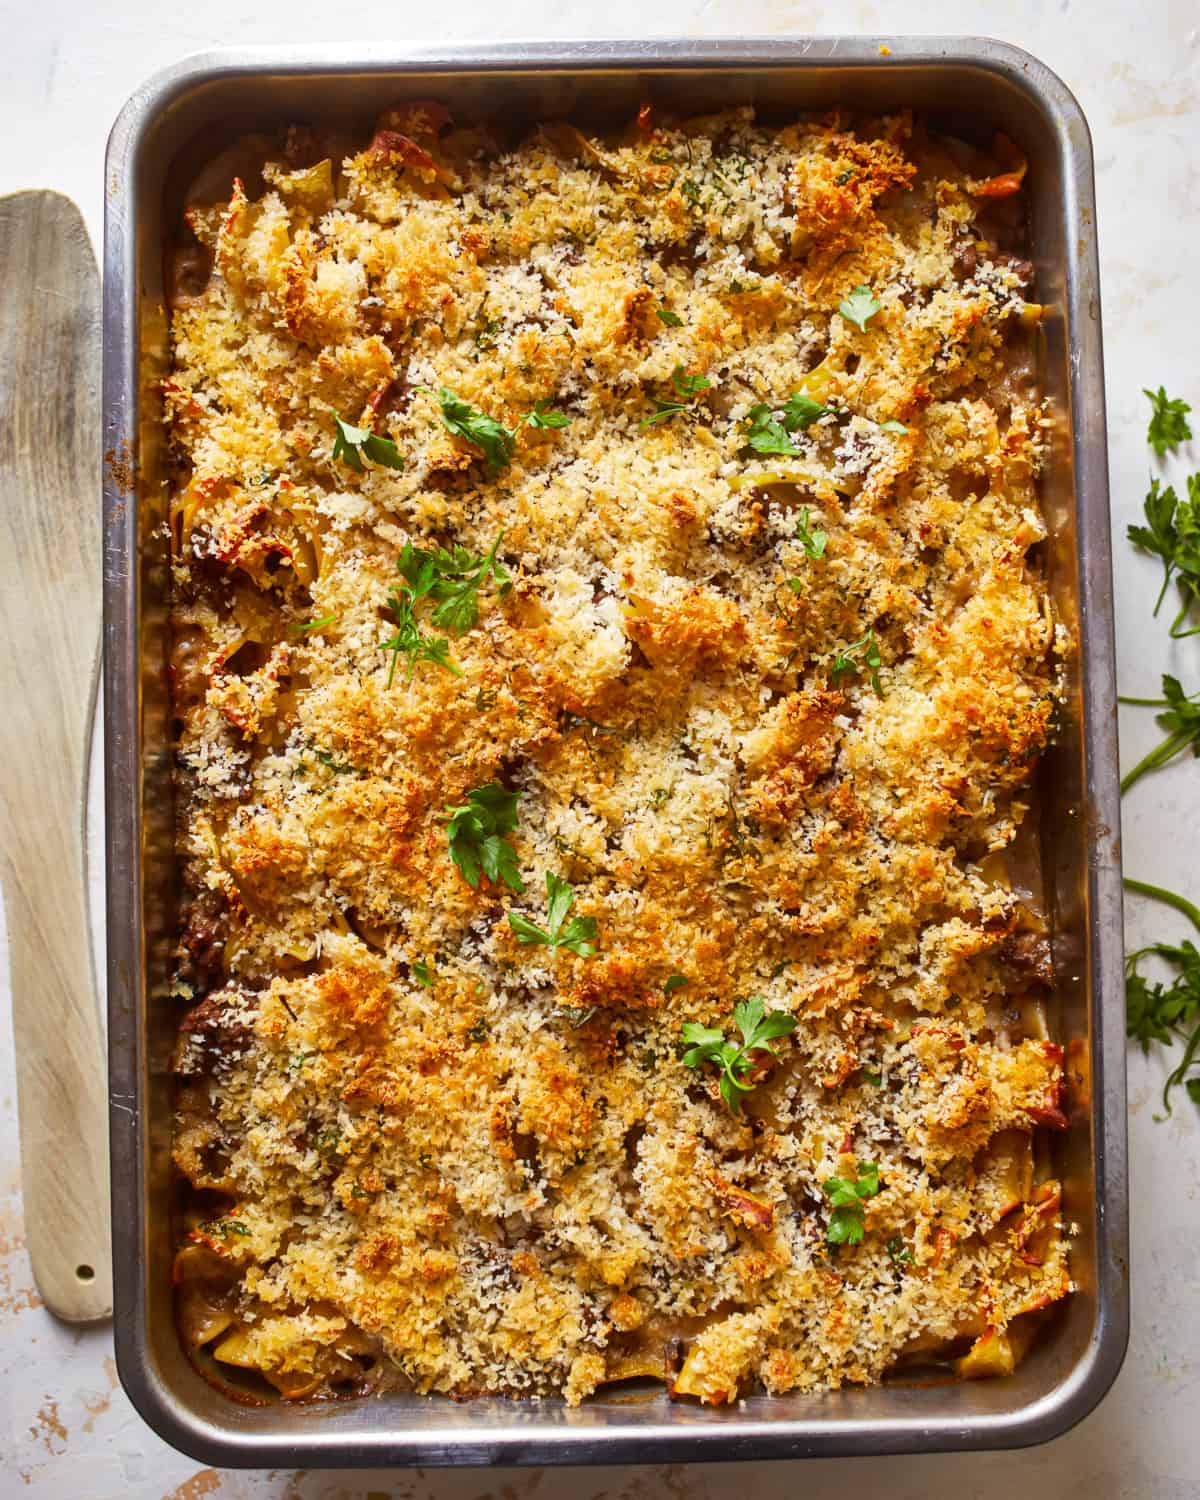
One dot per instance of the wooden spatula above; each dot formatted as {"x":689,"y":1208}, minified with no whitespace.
{"x":49,"y":651}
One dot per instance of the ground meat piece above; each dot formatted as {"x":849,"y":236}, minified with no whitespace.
{"x":221,"y":1022}
{"x":1028,"y":954}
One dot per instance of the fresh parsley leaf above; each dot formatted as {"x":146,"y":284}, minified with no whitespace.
{"x":859,"y":307}
{"x":543,"y":415}
{"x":1172,"y":532}
{"x":577,"y":934}
{"x":1168,"y":421}
{"x":466,"y":421}
{"x":1181,"y":721}
{"x":813,"y":542}
{"x":858,"y":656}
{"x":671,"y":319}
{"x":846,"y":1197}
{"x":706,"y":1044}
{"x":689,"y":385}
{"x":663,"y":410}
{"x":892,"y":427}
{"x":409,"y":640}
{"x":475,"y":836}
{"x":769,"y":429}
{"x":801,"y":411}
{"x":352,"y":444}
{"x":899,"y":1252}
{"x":690,"y":189}
{"x":422,"y":973}
{"x":302,"y":625}
{"x":686,"y":386}
{"x":1167,"y":1013}
{"x":766,"y":433}
{"x":451,"y":578}
{"x":675,"y":982}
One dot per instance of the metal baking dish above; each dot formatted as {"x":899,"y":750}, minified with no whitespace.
{"x":968,"y":86}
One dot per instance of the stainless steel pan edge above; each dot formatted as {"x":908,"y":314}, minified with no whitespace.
{"x":1074,"y":1366}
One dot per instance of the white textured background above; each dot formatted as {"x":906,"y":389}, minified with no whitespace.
{"x":66,"y":67}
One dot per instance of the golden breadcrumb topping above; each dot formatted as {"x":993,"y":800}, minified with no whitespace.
{"x":674,"y":493}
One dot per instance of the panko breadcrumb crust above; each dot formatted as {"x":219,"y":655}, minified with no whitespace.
{"x":422,"y":1154}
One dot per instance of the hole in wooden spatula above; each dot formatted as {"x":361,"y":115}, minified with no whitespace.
{"x":85,"y":1273}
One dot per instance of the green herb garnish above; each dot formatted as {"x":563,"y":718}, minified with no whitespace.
{"x":813,"y":543}
{"x":900,"y":1254}
{"x":1167,"y":1013}
{"x":423,"y":974}
{"x":671,"y":319}
{"x":859,"y":307}
{"x":686,"y":386}
{"x":577,"y":934}
{"x":475,"y":836}
{"x":859,"y":655}
{"x":675,"y":982}
{"x":466,"y":421}
{"x":451,"y":578}
{"x":1172,"y":532}
{"x":353,"y":444}
{"x":335,"y":767}
{"x":1181,"y":721}
{"x":1168,"y":421}
{"x":847,"y":1196}
{"x":300,"y":625}
{"x":769,"y":428}
{"x":543,"y":415}
{"x":707,"y":1044}
{"x":892,"y":427}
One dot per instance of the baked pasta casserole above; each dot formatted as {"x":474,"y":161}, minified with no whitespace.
{"x":610,"y":658}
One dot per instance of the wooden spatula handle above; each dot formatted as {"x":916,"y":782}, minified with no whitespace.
{"x":50,"y":633}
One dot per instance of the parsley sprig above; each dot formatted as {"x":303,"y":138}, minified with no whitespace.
{"x":577,"y":934}
{"x":859,"y":307}
{"x":496,"y":441}
{"x":544,"y":415}
{"x":707,"y":1044}
{"x":1172,"y":532}
{"x":451,"y":578}
{"x":466,"y":421}
{"x":475,"y":836}
{"x":769,"y":429}
{"x":1167,"y":1013}
{"x":813,"y":543}
{"x":353,"y":444}
{"x":1181,"y":721}
{"x":847,"y":1196}
{"x":858,"y":656}
{"x":686,"y":387}
{"x":1168,"y":421}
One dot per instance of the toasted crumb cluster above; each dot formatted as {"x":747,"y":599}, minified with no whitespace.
{"x":771,"y":714}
